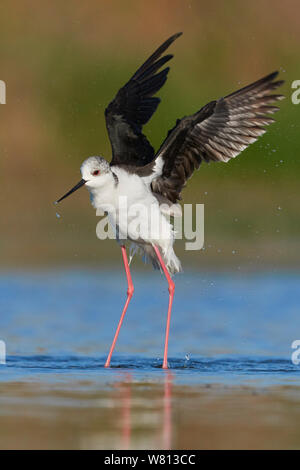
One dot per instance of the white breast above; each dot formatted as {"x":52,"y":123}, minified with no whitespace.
{"x":133,"y":209}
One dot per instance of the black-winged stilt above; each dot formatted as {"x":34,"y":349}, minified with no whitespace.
{"x":217,"y":132}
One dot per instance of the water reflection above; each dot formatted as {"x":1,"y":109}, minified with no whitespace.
{"x":167,"y":411}
{"x":140,"y":410}
{"x":142,"y":420}
{"x":124,"y":392}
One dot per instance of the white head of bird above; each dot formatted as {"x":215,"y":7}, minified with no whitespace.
{"x":96,"y":173}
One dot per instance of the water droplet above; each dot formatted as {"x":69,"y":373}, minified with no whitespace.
{"x":58,"y":215}
{"x":233,"y":252}
{"x":187,"y":358}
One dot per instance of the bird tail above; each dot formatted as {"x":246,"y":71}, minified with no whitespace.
{"x":149,"y":256}
{"x":172,"y":261}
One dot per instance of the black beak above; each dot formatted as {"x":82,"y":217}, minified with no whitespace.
{"x":77,"y":186}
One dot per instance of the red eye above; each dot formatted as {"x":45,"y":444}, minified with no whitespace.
{"x":96,"y":172}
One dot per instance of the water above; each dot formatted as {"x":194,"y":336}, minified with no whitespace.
{"x":63,"y":314}
{"x":230,"y":343}
{"x":226,"y":370}
{"x":230,"y":328}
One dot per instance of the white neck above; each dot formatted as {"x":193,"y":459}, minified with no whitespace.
{"x":102,"y":193}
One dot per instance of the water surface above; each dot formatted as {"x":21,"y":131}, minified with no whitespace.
{"x":231,"y":381}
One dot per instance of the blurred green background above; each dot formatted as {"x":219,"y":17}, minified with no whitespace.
{"x":64,"y":61}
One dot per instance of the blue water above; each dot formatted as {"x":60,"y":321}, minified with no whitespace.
{"x":58,"y":326}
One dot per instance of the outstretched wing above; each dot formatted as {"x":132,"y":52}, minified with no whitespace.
{"x":218,"y":132}
{"x":133,"y":106}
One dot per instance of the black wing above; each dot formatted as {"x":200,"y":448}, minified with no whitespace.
{"x":218,"y":132}
{"x":133,"y":106}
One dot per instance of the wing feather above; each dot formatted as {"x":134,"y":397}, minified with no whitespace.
{"x":133,"y":106}
{"x":220,"y":131}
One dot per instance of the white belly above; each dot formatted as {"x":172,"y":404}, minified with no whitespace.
{"x":142,"y":222}
{"x":135,"y":215}
{"x":134,"y":212}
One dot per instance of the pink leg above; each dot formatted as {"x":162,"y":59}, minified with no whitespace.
{"x":129,"y":295}
{"x":171,"y":295}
